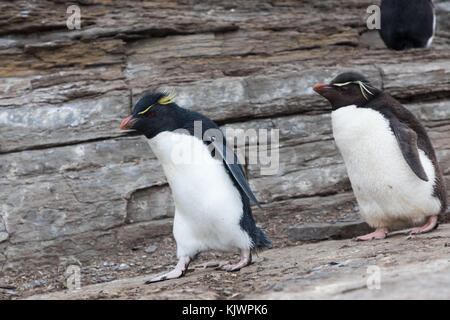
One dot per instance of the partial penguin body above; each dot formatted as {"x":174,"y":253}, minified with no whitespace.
{"x":389,"y":157}
{"x":407,"y":23}
{"x":209,"y":207}
{"x":388,"y":192}
{"x":209,"y":188}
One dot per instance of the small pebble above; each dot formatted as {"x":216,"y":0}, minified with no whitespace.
{"x":212,"y":264}
{"x":150,"y":249}
{"x":34,"y":284}
{"x":124,"y":266}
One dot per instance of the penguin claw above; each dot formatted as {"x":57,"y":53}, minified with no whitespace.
{"x":358,"y":239}
{"x":413,"y":233}
{"x":246,"y":259}
{"x":178,"y":272}
{"x":235,"y":267}
{"x":174,"y":274}
{"x":431,"y":225}
{"x":154,"y":280}
{"x":378,"y":234}
{"x":230,"y":268}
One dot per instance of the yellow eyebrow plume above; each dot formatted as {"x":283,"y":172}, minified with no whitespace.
{"x":342,"y":84}
{"x":362,"y":87}
{"x":142,"y":112}
{"x":167,"y":98}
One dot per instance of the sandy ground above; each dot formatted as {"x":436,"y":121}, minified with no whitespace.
{"x":397,"y":267}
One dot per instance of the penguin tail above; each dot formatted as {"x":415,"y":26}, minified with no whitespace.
{"x":260,"y":240}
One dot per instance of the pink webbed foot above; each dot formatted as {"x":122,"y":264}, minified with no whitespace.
{"x":246,"y":259}
{"x":178,"y":272}
{"x":429,"y":226}
{"x":379,"y":233}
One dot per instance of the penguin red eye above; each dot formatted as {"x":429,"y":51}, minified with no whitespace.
{"x":151,"y":114}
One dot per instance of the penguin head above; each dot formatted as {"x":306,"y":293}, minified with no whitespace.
{"x":152,"y":114}
{"x":350,"y":88}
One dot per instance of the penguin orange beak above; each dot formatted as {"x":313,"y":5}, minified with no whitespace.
{"x":127,"y":123}
{"x":321,"y":88}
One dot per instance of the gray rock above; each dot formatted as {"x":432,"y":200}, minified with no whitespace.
{"x":7,"y":286}
{"x":325,"y":230}
{"x":150,"y":203}
{"x":73,"y":184}
{"x":34,"y":284}
{"x":212,"y":264}
{"x":124,"y":266}
{"x":4,"y":236}
{"x":372,"y":40}
{"x":68,"y":122}
{"x":150,"y":249}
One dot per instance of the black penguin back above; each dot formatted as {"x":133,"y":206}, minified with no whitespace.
{"x":391,"y":108}
{"x":407,"y":23}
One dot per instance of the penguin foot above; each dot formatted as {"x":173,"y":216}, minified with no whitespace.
{"x":246,"y":259}
{"x":174,"y":274}
{"x":429,"y":226}
{"x":178,"y":272}
{"x":379,"y":233}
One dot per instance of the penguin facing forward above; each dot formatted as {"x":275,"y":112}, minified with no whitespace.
{"x":407,"y":23}
{"x":389,"y":158}
{"x":209,"y":188}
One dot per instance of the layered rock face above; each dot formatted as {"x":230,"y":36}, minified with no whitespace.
{"x":73,"y":184}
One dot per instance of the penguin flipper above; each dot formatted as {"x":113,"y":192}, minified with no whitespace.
{"x":232,"y":164}
{"x":407,"y":140}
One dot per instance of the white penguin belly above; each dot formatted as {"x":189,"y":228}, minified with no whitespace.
{"x":208,"y":207}
{"x":387,"y":190}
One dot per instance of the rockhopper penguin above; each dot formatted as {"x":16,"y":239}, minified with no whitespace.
{"x":209,"y":188}
{"x":390,"y":161}
{"x":407,"y":23}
